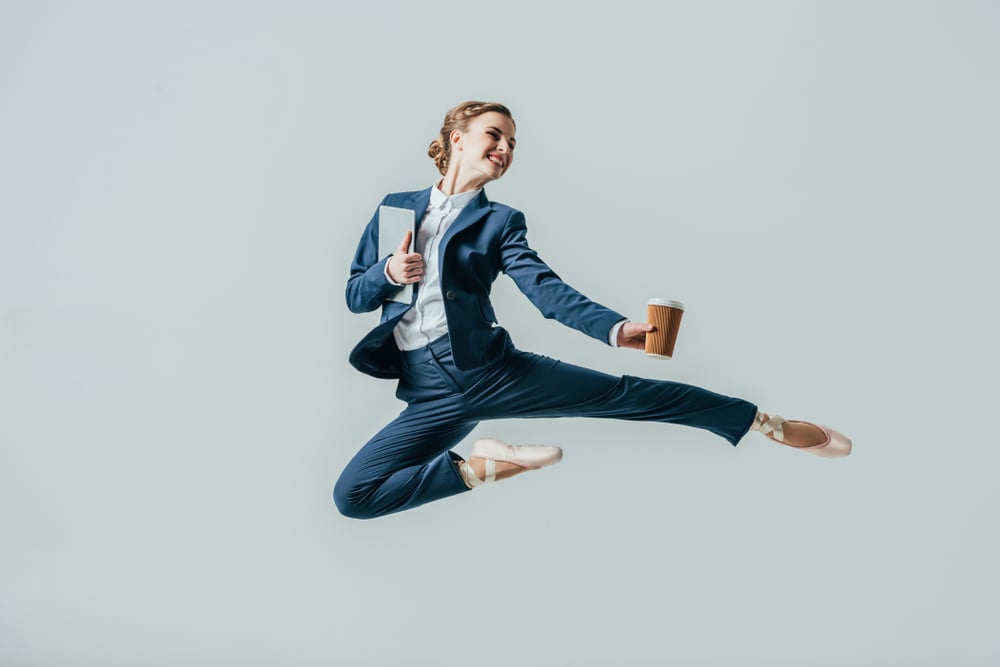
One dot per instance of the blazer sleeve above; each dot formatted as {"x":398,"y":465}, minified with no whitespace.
{"x":546,"y":290}
{"x":367,"y":286}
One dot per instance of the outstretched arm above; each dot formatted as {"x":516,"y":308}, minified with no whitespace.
{"x":546,"y":290}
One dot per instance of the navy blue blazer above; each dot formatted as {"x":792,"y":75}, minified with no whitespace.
{"x":485,"y":239}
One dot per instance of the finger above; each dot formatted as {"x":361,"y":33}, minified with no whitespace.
{"x":404,"y":246}
{"x":413,"y":258}
{"x":637,"y":330}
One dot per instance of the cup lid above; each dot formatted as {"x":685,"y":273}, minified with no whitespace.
{"x":666,"y":302}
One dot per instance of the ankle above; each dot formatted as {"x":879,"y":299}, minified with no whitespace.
{"x":473,"y":477}
{"x":759,"y":420}
{"x":482,"y":467}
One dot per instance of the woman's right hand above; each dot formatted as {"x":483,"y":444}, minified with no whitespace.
{"x":406,"y":267}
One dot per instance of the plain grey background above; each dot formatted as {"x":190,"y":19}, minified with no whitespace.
{"x":182,"y":186}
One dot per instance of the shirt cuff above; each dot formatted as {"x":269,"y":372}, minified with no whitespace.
{"x":613,"y":336}
{"x":385,"y":270}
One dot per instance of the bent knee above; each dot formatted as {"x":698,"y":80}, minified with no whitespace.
{"x":351,"y":501}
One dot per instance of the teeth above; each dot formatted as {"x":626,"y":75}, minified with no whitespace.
{"x":496,"y":161}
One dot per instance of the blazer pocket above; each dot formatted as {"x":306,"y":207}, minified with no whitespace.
{"x":487,"y":309}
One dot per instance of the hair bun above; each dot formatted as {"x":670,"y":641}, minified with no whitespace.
{"x":437,"y":152}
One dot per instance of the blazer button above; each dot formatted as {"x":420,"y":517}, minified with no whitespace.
{"x":449,"y":295}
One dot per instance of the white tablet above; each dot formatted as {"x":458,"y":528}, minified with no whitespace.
{"x":393,"y":223}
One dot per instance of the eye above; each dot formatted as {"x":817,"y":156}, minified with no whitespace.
{"x":494,"y":135}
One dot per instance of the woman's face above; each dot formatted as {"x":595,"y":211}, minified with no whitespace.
{"x":486,"y":148}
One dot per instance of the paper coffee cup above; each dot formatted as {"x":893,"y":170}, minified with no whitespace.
{"x":665,"y":315}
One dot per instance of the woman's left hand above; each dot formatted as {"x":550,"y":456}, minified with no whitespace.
{"x":633,"y":334}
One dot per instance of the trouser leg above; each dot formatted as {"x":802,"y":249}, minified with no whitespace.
{"x":406,"y":464}
{"x":531,"y":385}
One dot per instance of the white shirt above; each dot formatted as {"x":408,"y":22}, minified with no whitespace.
{"x":426,"y":320}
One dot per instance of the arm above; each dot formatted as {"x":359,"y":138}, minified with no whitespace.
{"x":546,"y":290}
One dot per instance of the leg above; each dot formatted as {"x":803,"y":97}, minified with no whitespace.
{"x":530,"y":385}
{"x":407,"y":463}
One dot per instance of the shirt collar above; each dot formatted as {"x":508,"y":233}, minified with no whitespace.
{"x":459,"y":201}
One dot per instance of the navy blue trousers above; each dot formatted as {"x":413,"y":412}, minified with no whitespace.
{"x":410,"y":462}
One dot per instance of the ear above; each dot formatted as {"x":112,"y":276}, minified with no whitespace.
{"x":456,"y":139}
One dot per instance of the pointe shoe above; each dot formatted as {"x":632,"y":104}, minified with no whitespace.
{"x":526,"y":456}
{"x":836,"y":445}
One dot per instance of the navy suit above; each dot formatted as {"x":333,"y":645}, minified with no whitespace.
{"x":475,"y":373}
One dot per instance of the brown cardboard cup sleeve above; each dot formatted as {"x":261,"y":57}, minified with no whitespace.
{"x":665,"y":315}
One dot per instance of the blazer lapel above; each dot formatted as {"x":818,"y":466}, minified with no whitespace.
{"x":470,"y":215}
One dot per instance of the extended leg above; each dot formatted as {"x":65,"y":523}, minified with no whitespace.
{"x":530,"y":385}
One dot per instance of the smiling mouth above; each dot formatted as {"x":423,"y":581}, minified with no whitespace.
{"x":497,"y":161}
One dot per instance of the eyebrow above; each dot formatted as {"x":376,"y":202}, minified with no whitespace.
{"x":509,"y":139}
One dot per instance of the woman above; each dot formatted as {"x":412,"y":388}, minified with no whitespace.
{"x":457,"y":367}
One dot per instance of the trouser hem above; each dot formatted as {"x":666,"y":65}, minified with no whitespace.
{"x":746,"y":429}
{"x":456,"y":460}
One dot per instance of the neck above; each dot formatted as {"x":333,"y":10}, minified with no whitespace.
{"x":454,"y":183}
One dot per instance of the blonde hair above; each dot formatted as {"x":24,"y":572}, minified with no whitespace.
{"x":458,"y":119}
